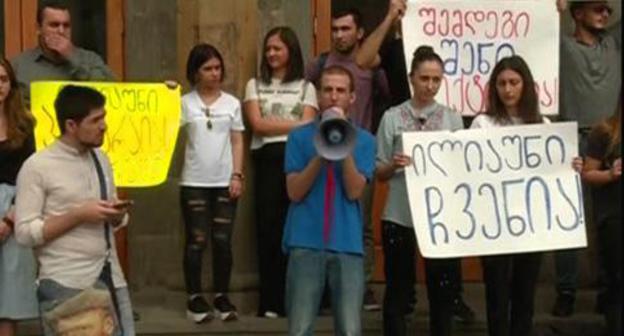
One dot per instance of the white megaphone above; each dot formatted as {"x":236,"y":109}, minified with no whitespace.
{"x":335,"y":137}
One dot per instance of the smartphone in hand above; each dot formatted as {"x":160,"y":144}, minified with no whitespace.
{"x":123,"y":204}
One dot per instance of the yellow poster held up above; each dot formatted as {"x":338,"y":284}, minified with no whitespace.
{"x":142,"y":120}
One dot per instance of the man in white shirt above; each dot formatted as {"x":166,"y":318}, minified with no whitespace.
{"x":66,"y":209}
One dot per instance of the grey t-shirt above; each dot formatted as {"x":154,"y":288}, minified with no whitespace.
{"x":361,"y":111}
{"x":395,"y":121}
{"x":83,"y":65}
{"x":590,"y":78}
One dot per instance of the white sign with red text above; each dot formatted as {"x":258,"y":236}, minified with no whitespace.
{"x":471,"y":36}
{"x":495,"y":191}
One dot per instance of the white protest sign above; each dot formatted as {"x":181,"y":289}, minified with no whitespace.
{"x":471,"y":36}
{"x":495,"y":191}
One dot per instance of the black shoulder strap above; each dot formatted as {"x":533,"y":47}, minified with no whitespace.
{"x":304,"y":88}
{"x":256,"y":80}
{"x":103,"y":192}
{"x":321,"y":61}
{"x":376,"y":76}
{"x":320,"y":65}
{"x":107,"y":273}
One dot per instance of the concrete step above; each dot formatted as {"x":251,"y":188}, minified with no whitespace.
{"x":163,"y":313}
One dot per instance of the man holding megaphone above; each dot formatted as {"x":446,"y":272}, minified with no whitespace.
{"x":328,"y":164}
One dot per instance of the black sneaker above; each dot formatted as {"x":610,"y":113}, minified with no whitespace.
{"x":601,"y":300}
{"x":462,"y":312}
{"x":325,"y":306}
{"x":198,"y":310}
{"x":370,"y":303}
{"x":224,"y":308}
{"x":411,"y":306}
{"x":564,"y":306}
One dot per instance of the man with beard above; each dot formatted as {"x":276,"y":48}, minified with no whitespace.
{"x":66,"y":208}
{"x":347,"y":34}
{"x":590,"y":85}
{"x":55,"y":57}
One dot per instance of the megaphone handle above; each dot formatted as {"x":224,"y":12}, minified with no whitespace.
{"x":330,"y":191}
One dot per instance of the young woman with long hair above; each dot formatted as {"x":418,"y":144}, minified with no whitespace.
{"x":275,"y":103}
{"x":17,"y":265}
{"x":510,"y":280}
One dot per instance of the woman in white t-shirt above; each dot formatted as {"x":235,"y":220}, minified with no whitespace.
{"x":212,"y":179}
{"x":275,"y":103}
{"x":510,"y":279}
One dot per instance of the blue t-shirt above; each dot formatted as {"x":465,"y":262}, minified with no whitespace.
{"x":304,"y":222}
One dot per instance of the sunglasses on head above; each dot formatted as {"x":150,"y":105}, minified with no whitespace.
{"x":600,"y":9}
{"x":209,"y":122}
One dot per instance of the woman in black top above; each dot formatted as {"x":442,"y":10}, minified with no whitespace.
{"x":602,"y":170}
{"x":17,"y":266}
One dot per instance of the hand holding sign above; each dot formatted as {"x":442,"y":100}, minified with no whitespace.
{"x":495,"y":191}
{"x":397,"y":9}
{"x":400,"y":160}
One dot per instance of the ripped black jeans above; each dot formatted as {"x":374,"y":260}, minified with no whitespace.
{"x":399,"y":246}
{"x":207,"y":212}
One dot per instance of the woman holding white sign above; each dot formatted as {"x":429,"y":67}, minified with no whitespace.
{"x":212,"y":179}
{"x":510,"y":280}
{"x":420,"y":113}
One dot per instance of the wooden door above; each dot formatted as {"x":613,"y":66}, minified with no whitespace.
{"x":373,"y":12}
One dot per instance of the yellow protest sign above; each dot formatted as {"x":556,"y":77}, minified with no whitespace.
{"x":142,"y":120}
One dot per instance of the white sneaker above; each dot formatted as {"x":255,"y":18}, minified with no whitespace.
{"x":270,"y":314}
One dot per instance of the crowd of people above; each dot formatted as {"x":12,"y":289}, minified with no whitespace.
{"x":313,"y":216}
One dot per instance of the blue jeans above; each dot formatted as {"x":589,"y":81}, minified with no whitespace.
{"x":306,"y":275}
{"x":50,"y":292}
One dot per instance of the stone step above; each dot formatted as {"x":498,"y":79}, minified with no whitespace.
{"x":163,"y":313}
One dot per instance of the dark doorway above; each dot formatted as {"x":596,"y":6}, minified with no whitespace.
{"x":88,"y":24}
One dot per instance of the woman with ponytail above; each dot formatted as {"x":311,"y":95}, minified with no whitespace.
{"x":420,"y":113}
